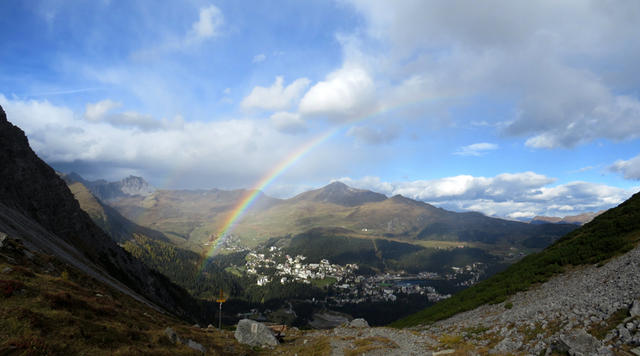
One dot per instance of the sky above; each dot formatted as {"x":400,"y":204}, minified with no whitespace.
{"x":510,"y":108}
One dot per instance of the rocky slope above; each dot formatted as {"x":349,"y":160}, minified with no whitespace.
{"x":37,"y":207}
{"x":592,"y":299}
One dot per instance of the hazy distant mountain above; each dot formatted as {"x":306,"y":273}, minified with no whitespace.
{"x":105,"y":191}
{"x":110,"y":220}
{"x":580,"y":219}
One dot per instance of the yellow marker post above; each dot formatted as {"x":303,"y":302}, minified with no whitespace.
{"x":221,"y":299}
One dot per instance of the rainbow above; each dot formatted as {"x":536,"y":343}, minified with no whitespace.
{"x":274,"y":173}
{"x":254,"y":192}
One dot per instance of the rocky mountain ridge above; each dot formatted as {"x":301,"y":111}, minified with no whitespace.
{"x":105,"y":191}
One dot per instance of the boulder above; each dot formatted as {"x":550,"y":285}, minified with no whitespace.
{"x":358,"y":323}
{"x":194,"y":345}
{"x":579,"y":343}
{"x":635,"y":308}
{"x":253,"y":333}
{"x":171,"y":334}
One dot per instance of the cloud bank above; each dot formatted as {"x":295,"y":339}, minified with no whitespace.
{"x":511,"y":195}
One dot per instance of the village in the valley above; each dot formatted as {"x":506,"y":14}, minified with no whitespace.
{"x":347,"y":285}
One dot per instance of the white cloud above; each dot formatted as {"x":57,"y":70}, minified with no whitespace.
{"x":287,"y":122}
{"x":259,"y":58}
{"x":346,"y":93}
{"x":476,"y":149}
{"x":630,"y":169}
{"x":527,"y":51}
{"x":208,"y":25}
{"x":512,"y":195}
{"x":97,"y":111}
{"x":191,"y":151}
{"x":275,"y":97}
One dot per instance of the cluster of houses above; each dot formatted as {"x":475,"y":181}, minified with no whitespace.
{"x":471,"y":273}
{"x":345,"y":285}
{"x":384,"y":288}
{"x":286,"y":269}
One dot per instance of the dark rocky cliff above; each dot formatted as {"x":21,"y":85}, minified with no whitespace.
{"x":31,"y":193}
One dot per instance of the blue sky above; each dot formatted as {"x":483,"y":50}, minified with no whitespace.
{"x":509,"y":108}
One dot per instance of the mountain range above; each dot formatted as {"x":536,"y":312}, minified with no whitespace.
{"x":195,"y":217}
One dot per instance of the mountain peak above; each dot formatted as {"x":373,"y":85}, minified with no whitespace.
{"x":338,"y":187}
{"x":133,"y":185}
{"x":341,"y":194}
{"x":103,"y":190}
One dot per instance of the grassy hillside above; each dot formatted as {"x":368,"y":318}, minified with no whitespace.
{"x":612,"y":233}
{"x":50,"y":308}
